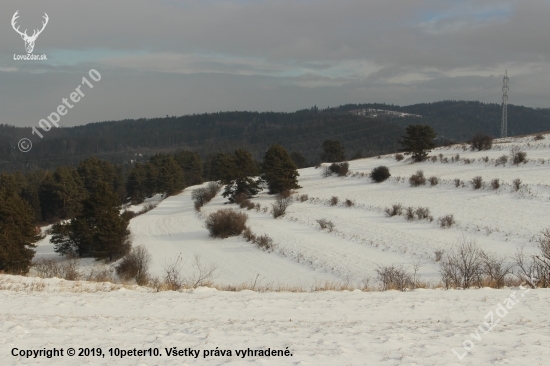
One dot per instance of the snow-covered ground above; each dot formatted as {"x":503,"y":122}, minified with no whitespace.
{"x":421,"y":327}
{"x":500,"y":221}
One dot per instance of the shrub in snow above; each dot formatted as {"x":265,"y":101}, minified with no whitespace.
{"x":539,"y":136}
{"x":394,"y":277}
{"x":340,"y":169}
{"x":502,"y":160}
{"x":433,"y":181}
{"x":399,"y":157}
{"x":225,"y":223}
{"x":446,"y":221}
{"x":495,"y":183}
{"x":135,"y":265}
{"x":334,"y":200}
{"x":349,"y":203}
{"x":417,"y":179}
{"x":409,"y":213}
{"x":518,"y":156}
{"x":423,"y":213}
{"x":477,"y":182}
{"x":380,"y":174}
{"x":394,"y":210}
{"x":326,"y":224}
{"x":481,"y":141}
{"x":516,"y":184}
{"x":280,"y":205}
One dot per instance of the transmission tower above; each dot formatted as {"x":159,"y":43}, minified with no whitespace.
{"x":505,"y":89}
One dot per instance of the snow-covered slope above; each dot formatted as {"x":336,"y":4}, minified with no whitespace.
{"x":499,"y":220}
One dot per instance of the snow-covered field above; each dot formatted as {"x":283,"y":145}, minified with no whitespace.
{"x":420,"y":327}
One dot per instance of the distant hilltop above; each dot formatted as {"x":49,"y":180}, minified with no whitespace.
{"x":371,"y":112}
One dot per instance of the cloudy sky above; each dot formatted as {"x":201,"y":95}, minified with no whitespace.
{"x":159,"y":58}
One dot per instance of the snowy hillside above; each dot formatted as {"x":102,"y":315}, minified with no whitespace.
{"x":499,"y":220}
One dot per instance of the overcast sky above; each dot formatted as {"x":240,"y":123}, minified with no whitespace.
{"x":159,"y":58}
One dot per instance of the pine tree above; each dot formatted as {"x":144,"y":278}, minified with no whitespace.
{"x":298,"y":159}
{"x":99,"y":231}
{"x":135,"y":185}
{"x":93,"y":171}
{"x":61,"y":194}
{"x":192,"y":166}
{"x":241,"y":176}
{"x":278,"y":170}
{"x":170,"y":177}
{"x":17,"y":233}
{"x":333,"y":152}
{"x":418,"y":141}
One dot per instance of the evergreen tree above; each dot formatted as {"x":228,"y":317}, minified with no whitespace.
{"x":170,"y":177}
{"x":298,"y":159}
{"x":192,"y":166}
{"x":93,"y":171}
{"x":333,"y":152}
{"x":136,"y":183}
{"x":241,"y":176}
{"x":220,"y":167}
{"x":418,"y":141}
{"x":61,"y":194}
{"x":99,"y":231}
{"x":17,"y":233}
{"x":279,"y":171}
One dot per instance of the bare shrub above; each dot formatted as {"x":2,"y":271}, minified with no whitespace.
{"x":495,"y":269}
{"x":423,"y":213}
{"x":481,"y":141}
{"x":394,"y":210}
{"x":326,"y":172}
{"x":380,"y":174}
{"x":495,"y":183}
{"x":446,"y":221}
{"x":394,"y":277}
{"x":202,"y":275}
{"x":340,"y":169}
{"x":518,"y":156}
{"x":462,"y":265}
{"x":409,"y":213}
{"x":326,"y":224}
{"x":249,"y":235}
{"x":135,"y":265}
{"x":213,"y":188}
{"x":457,"y":182}
{"x":280,"y":205}
{"x":201,"y":196}
{"x":225,"y":223}
{"x":47,"y":268}
{"x":516,"y":184}
{"x":438,"y":255}
{"x":99,"y":275}
{"x":434,"y":159}
{"x":334,"y":201}
{"x":477,"y":182}
{"x":501,"y":160}
{"x":303,"y":198}
{"x":257,"y":207}
{"x":467,"y":161}
{"x":539,"y":136}
{"x":264,"y":242}
{"x":535,"y":268}
{"x":69,"y":270}
{"x":349,"y":203}
{"x":417,"y":179}
{"x":433,"y":181}
{"x":173,"y":278}
{"x":399,"y":157}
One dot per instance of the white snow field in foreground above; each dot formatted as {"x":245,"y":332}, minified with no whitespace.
{"x":420,"y":327}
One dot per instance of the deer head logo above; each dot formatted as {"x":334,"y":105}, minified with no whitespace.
{"x":29,"y":41}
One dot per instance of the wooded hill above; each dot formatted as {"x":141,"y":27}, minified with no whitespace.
{"x":303,"y":131}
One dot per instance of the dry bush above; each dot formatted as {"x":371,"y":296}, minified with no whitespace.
{"x":213,"y":188}
{"x":501,"y":160}
{"x":394,"y":210}
{"x":257,"y":207}
{"x":446,"y":221}
{"x":495,"y":269}
{"x":240,"y":198}
{"x":433,"y":181}
{"x":434,"y":159}
{"x":380,"y":174}
{"x":539,"y":136}
{"x":495,"y":183}
{"x":409,"y":213}
{"x":467,"y":161}
{"x":349,"y":203}
{"x":481,"y":141}
{"x":246,"y":203}
{"x":417,"y":179}
{"x":49,"y":268}
{"x":423,"y":213}
{"x":462,"y":265}
{"x":303,"y":198}
{"x":516,"y":184}
{"x":202,"y":275}
{"x":280,"y":205}
{"x":326,"y":172}
{"x":399,"y":157}
{"x":135,"y":265}
{"x":326,"y":224}
{"x":225,"y":223}
{"x":477,"y":182}
{"x":334,"y":201}
{"x":518,"y":156}
{"x":458,"y":182}
{"x":536,"y":269}
{"x":340,"y":169}
{"x":99,"y":275}
{"x":200,"y":196}
{"x":438,"y":255}
{"x":249,"y":235}
{"x":148,"y":207}
{"x":394,"y":277}
{"x":264,"y":242}
{"x":173,"y":278}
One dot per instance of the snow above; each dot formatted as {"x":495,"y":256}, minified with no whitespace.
{"x":420,"y":327}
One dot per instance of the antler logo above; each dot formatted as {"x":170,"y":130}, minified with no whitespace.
{"x":29,"y":41}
